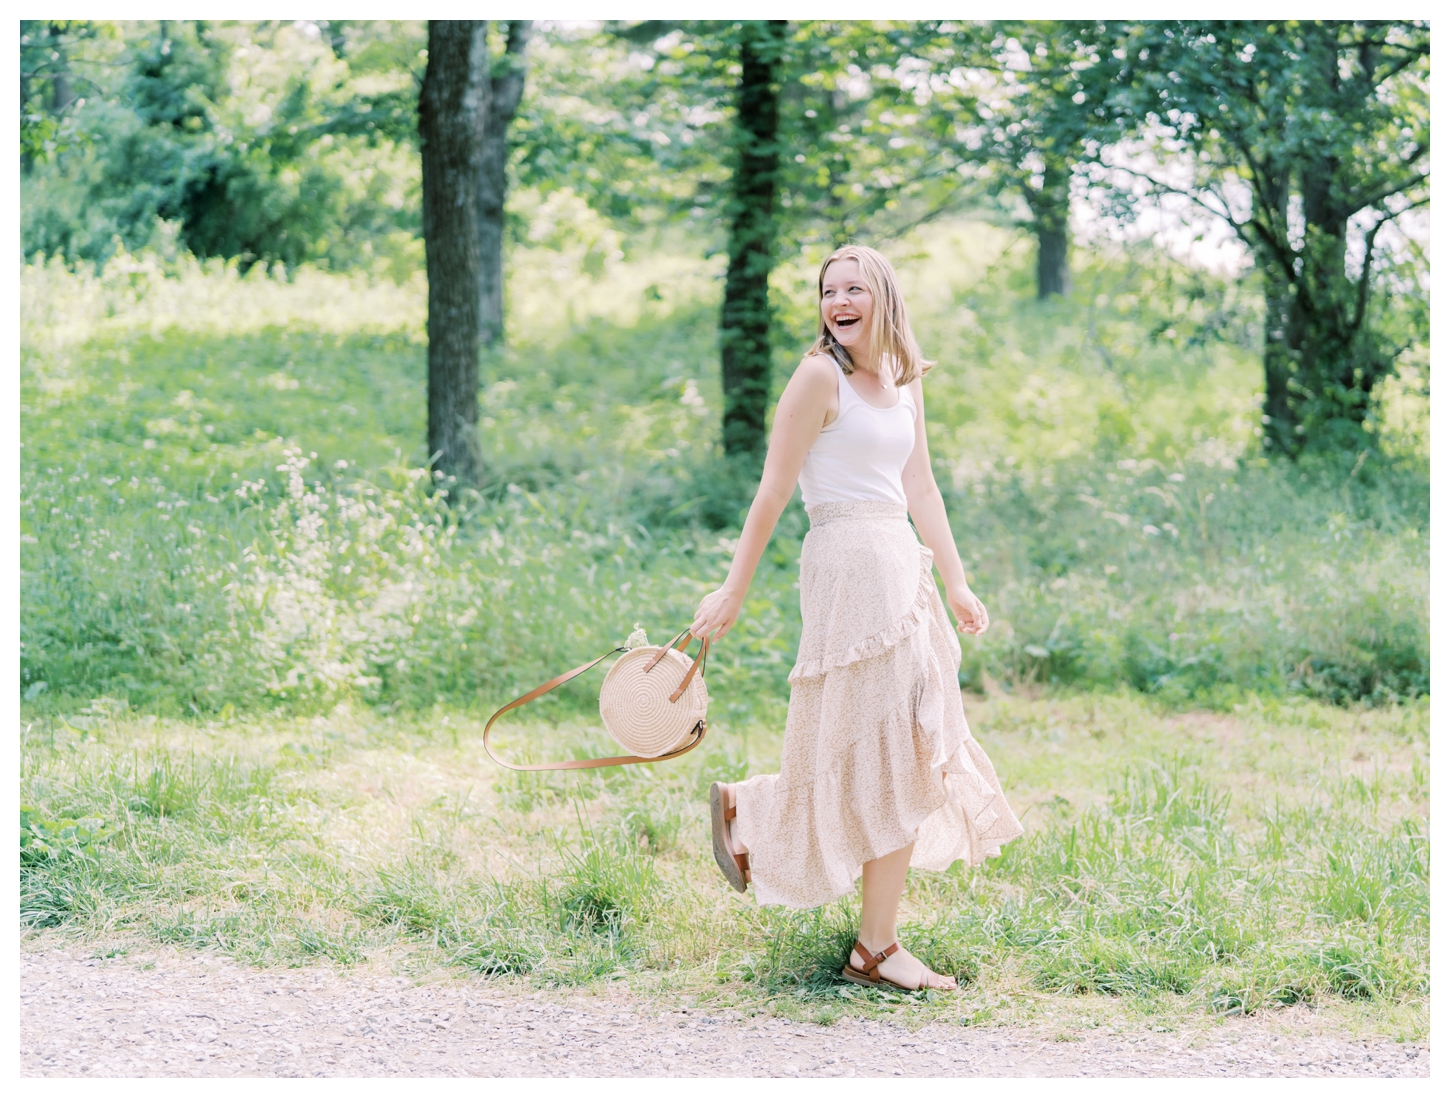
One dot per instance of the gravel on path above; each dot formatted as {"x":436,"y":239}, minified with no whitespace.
{"x":195,"y":1014}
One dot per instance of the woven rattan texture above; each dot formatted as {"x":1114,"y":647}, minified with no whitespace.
{"x":635,"y":704}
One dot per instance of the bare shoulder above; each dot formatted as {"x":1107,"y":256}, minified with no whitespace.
{"x":815,"y":377}
{"x":817,"y":369}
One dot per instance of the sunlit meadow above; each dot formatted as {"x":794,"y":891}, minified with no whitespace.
{"x":258,"y":643}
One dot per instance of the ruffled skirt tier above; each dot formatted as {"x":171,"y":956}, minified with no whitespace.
{"x":877,"y":751}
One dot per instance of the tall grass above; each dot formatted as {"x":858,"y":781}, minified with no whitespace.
{"x":258,"y":640}
{"x":222,"y":507}
{"x":1188,"y":866}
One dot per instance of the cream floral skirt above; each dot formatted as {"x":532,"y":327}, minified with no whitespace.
{"x":877,"y":751}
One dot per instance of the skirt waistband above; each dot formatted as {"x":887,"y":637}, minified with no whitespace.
{"x":823,"y":514}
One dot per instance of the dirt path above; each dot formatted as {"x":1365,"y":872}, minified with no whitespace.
{"x":187,"y":1014}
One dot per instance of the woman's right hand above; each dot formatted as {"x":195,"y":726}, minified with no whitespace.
{"x":799,"y":417}
{"x":716,"y":614}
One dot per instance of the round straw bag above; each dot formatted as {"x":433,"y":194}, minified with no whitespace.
{"x":652,"y":702}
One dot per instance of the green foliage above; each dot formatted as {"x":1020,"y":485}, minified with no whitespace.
{"x":581,"y":922}
{"x":636,"y":136}
{"x":254,"y":141}
{"x":1030,"y":121}
{"x":872,"y":115}
{"x":53,"y":84}
{"x":45,"y":840}
{"x":798,"y":953}
{"x":641,"y":119}
{"x":1103,"y":467}
{"x":189,"y":551}
{"x":1154,"y":892}
{"x":603,"y":890}
{"x":1310,"y":139}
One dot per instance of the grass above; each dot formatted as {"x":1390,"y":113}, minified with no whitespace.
{"x":1176,"y":866}
{"x":257,"y":646}
{"x":221,"y":504}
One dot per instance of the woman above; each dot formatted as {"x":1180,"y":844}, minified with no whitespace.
{"x":879,"y":770}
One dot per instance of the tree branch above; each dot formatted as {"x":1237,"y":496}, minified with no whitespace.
{"x":508,"y":82}
{"x":946,"y":206}
{"x":1362,"y":290}
{"x":1396,"y":69}
{"x":1354,"y":205}
{"x":1268,"y":240}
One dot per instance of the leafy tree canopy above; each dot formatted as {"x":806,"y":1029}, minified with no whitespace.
{"x":271,"y":141}
{"x":1310,"y":139}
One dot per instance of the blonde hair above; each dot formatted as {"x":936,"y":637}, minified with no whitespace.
{"x":890,"y":339}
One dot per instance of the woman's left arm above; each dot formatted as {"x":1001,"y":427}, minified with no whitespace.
{"x":923,"y":500}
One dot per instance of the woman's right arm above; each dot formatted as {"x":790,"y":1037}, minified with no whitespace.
{"x":799,"y":417}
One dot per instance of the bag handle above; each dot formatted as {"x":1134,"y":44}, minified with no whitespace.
{"x":697,"y":733}
{"x":684,"y":642}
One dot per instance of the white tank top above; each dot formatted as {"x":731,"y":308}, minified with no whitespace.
{"x":860,"y":454}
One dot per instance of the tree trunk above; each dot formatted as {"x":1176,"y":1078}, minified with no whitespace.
{"x":1321,"y":359}
{"x":506,"y":81}
{"x":61,"y":95}
{"x":1340,"y":359}
{"x":1053,"y":276}
{"x":1281,"y":354}
{"x":27,"y":158}
{"x":451,"y":108}
{"x":1051,"y":208}
{"x":837,"y":167}
{"x":745,"y":320}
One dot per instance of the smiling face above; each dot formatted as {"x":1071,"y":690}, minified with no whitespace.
{"x":846,"y":306}
{"x":863,"y":322}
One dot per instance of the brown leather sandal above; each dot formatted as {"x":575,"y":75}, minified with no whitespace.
{"x":736,"y":867}
{"x":868,"y":976}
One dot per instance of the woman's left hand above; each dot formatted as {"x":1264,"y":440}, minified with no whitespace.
{"x":971,"y":614}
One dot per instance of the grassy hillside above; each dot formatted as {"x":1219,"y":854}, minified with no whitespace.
{"x":257,"y":652}
{"x":221,"y":505}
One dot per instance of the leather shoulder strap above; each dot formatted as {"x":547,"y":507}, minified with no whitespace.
{"x":696,"y":735}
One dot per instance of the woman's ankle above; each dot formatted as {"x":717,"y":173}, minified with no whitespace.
{"x":876,"y":943}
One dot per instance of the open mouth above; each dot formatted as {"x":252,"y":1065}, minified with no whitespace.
{"x":846,"y":322}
